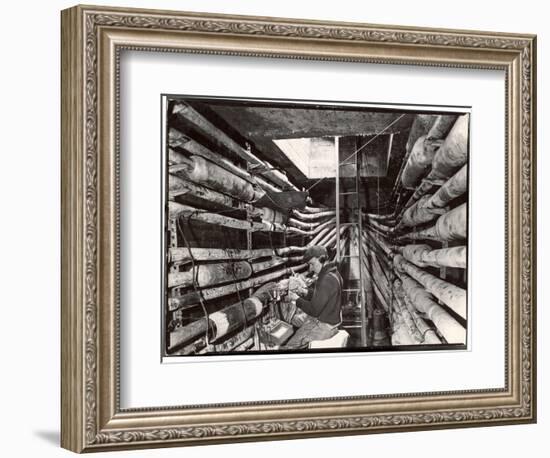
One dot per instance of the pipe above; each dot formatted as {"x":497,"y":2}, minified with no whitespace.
{"x":245,"y":345}
{"x":273,"y":227}
{"x":385,"y":258}
{"x":368,"y":291}
{"x":383,"y":266}
{"x":421,"y":126}
{"x":218,"y":324}
{"x":309,"y":209}
{"x":452,"y":225}
{"x":413,"y":253}
{"x":183,"y":255}
{"x":321,"y":235}
{"x":379,"y":287}
{"x":451,"y":295}
{"x":441,"y":127}
{"x":177,"y":138}
{"x":313,"y":216}
{"x":176,"y":210}
{"x":189,"y":114}
{"x":453,"y":153}
{"x":265,"y":185}
{"x":301,"y":225}
{"x":180,"y":187}
{"x":419,"y":328}
{"x":376,"y":270}
{"x":197,"y":149}
{"x":424,"y":255}
{"x":385,"y":247}
{"x":380,"y":227}
{"x":268,"y":264}
{"x":273,"y":216}
{"x":194,"y":348}
{"x":374,"y":231}
{"x":430,"y":207}
{"x":383,"y":297}
{"x":408,"y":321}
{"x":236,"y":341}
{"x":192,"y":298}
{"x":449,"y":227}
{"x":453,"y":188}
{"x":294,"y":259}
{"x":424,"y":302}
{"x":328,"y":242}
{"x":313,"y":231}
{"x":447,"y":257}
{"x":430,"y":335}
{"x":384,"y":274}
{"x":353,"y":260}
{"x":378,"y":217}
{"x":210,"y":274}
{"x":386,"y":264}
{"x":234,"y":318}
{"x":181,"y":336}
{"x":379,"y":281}
{"x":290,"y":249}
{"x":382,"y":255}
{"x":449,"y":158}
{"x":418,"y":164}
{"x":204,"y":172}
{"x":417,"y":214}
{"x":343,"y":246}
{"x":380,"y":337}
{"x":400,"y":334}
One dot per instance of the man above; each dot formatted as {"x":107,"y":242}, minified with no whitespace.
{"x":322,"y":304}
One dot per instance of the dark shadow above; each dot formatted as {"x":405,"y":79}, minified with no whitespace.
{"x":48,"y":436}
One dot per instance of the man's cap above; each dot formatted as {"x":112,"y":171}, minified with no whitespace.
{"x":315,"y":251}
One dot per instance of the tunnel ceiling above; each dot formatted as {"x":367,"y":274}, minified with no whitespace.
{"x":259,"y":125}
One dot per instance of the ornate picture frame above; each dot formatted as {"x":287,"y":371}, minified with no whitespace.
{"x":92,"y":41}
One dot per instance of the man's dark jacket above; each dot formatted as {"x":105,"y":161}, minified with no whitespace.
{"x":323,"y":301}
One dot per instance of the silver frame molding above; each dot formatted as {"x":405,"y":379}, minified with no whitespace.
{"x":92,"y":38}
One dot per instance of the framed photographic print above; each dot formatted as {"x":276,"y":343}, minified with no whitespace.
{"x":303,"y":263}
{"x":276,"y":229}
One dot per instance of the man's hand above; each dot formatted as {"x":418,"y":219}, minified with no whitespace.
{"x":292,"y":296}
{"x":297,"y":285}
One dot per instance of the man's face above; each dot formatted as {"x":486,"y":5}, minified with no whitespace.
{"x":315,"y":265}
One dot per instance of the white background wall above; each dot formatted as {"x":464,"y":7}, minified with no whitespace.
{"x":30,"y":212}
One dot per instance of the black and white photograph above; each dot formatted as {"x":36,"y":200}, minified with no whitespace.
{"x":308,"y":226}
{"x":275,"y":229}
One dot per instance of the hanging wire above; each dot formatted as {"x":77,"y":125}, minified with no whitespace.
{"x":194,"y":272}
{"x":238,"y":285}
{"x":378,"y":194}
